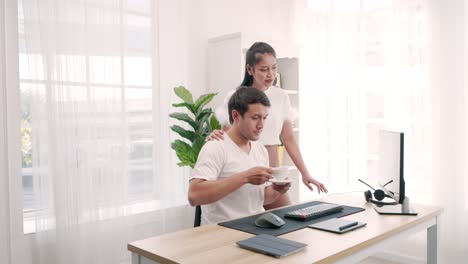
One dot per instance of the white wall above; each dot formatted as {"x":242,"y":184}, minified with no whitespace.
{"x":259,"y":20}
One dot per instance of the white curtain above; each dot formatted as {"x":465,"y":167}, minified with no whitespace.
{"x":97,"y":167}
{"x":369,"y":65}
{"x":364,"y":67}
{"x":10,"y":230}
{"x":4,"y":197}
{"x":449,"y":38}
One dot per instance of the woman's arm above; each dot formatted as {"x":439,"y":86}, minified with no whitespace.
{"x":274,"y":191}
{"x":289,"y":142}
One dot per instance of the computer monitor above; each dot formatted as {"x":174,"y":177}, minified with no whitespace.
{"x":391,"y":152}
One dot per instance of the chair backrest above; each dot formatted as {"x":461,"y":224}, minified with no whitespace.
{"x":197,"y":216}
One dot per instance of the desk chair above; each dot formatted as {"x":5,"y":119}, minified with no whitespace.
{"x":197,"y":216}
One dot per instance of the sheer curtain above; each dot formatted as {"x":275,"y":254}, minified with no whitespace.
{"x":4,"y":182}
{"x":10,"y":229}
{"x":370,"y":65}
{"x":364,"y":67}
{"x":449,"y":37}
{"x":97,"y":171}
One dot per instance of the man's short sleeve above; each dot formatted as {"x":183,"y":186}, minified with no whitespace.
{"x":210,"y":162}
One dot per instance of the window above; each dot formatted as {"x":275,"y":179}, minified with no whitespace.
{"x":92,"y":80}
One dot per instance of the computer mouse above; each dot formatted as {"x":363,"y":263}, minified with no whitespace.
{"x":269,"y":220}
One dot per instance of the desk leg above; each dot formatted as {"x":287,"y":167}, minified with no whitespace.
{"x":135,"y":258}
{"x":432,"y":249}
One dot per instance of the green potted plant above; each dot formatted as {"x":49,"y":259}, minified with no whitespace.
{"x":200,"y":121}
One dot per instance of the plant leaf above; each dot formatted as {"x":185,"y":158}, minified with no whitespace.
{"x":203,"y":124}
{"x":180,"y":145}
{"x":186,"y":118}
{"x":186,"y":159}
{"x":205,"y":130}
{"x":186,"y":163}
{"x":184,"y":152}
{"x":190,"y":107}
{"x":184,"y":94}
{"x":197,"y":145}
{"x":190,"y":135}
{"x":202,"y":114}
{"x":203,"y":100}
{"x":214,"y":123}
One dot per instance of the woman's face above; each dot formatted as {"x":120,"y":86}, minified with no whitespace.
{"x":264,"y":72}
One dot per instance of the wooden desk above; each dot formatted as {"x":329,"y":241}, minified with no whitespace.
{"x":216,"y":244}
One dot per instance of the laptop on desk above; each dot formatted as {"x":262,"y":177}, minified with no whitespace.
{"x":272,"y":246}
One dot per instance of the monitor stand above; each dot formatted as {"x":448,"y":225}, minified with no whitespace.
{"x":397,"y":209}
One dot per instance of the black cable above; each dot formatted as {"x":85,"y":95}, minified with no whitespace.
{"x":366,"y":184}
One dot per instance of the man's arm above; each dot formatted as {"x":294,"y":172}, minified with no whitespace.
{"x":209,"y":191}
{"x":206,"y":191}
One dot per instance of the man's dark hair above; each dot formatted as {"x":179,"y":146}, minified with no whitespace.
{"x":243,"y":97}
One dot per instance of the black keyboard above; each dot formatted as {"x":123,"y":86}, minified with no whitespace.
{"x":314,"y":211}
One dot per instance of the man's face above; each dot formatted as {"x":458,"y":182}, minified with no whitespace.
{"x":251,"y":124}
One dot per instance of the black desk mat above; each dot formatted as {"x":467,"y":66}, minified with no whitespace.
{"x":247,"y":224}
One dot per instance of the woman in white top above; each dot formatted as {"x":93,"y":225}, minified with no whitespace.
{"x":260,"y":73}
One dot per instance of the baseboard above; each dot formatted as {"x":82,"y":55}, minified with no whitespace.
{"x":399,"y":258}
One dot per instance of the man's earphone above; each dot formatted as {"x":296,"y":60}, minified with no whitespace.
{"x":378,"y":194}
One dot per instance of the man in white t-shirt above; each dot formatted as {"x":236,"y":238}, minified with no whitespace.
{"x":228,"y":180}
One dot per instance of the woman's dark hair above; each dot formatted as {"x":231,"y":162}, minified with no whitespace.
{"x":251,"y":59}
{"x":243,"y":97}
